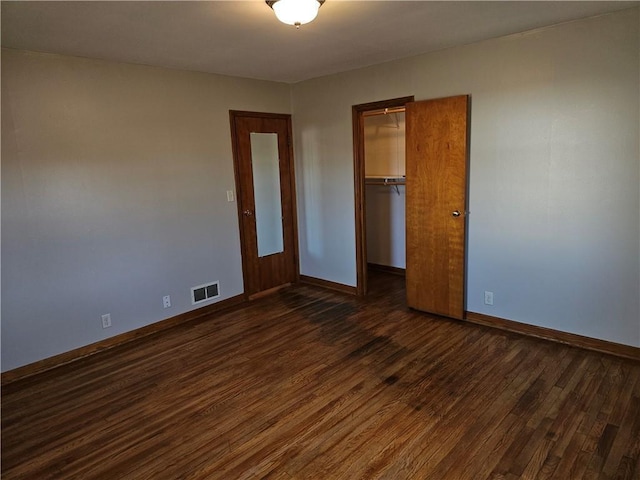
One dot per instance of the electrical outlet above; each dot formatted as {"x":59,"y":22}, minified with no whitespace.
{"x":166,"y":301}
{"x":106,"y":320}
{"x":488,"y":298}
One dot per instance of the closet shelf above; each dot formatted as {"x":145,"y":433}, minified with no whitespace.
{"x":384,"y":180}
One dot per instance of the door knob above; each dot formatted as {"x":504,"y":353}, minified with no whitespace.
{"x":247,"y":213}
{"x":455,"y":213}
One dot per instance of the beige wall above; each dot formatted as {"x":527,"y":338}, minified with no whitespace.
{"x":384,"y":155}
{"x":114,"y":181}
{"x":554,"y":180}
{"x":384,"y":148}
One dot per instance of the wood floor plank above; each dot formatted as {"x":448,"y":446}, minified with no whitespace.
{"x":315,"y":384}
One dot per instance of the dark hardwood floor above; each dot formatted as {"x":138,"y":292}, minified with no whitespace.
{"x":314,"y":384}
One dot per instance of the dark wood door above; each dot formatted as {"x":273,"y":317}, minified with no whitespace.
{"x":263,"y":161}
{"x":436,"y":156}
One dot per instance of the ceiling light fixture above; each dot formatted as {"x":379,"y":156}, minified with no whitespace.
{"x":295,"y":12}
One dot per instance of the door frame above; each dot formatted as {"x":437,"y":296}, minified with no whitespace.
{"x":233,"y":114}
{"x":358,"y":112}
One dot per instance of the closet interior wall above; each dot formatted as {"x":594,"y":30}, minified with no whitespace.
{"x":384,"y":152}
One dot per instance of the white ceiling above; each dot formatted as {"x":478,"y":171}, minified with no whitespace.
{"x":243,"y":37}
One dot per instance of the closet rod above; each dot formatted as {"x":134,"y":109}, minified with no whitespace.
{"x":386,"y":181}
{"x":383,"y":111}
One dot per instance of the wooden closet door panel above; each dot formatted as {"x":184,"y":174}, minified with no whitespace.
{"x":436,"y":156}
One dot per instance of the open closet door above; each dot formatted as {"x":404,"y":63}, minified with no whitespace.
{"x":436,"y":199}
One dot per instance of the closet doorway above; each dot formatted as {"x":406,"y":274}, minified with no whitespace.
{"x":436,"y":182}
{"x":379,"y":142}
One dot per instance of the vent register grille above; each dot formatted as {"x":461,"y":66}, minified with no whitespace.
{"x":202,"y":293}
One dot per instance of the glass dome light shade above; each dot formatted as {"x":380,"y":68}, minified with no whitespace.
{"x":296,"y":12}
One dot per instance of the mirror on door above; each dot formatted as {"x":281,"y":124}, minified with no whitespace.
{"x":266,"y":189}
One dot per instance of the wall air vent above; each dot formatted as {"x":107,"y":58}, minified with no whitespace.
{"x":202,"y":293}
